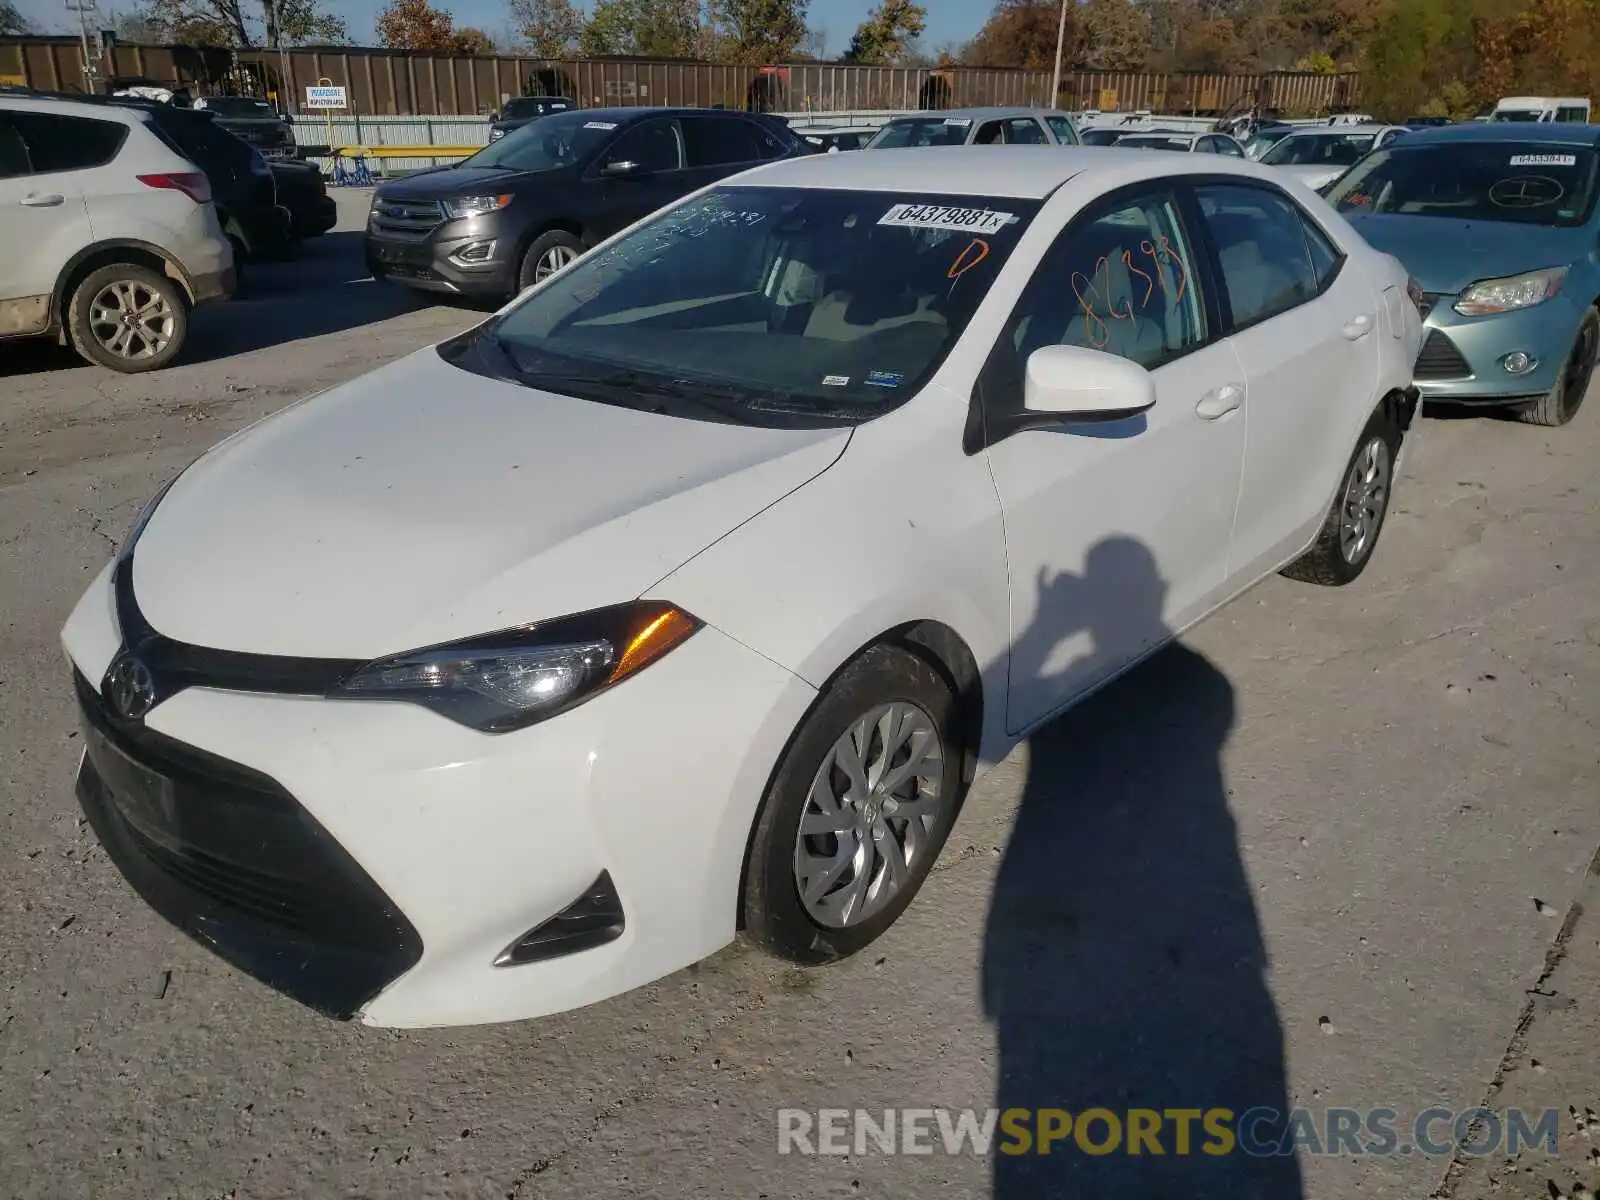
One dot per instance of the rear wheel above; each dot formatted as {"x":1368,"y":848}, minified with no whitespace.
{"x":1561,"y":403}
{"x":1350,"y":531}
{"x":128,"y":318}
{"x":858,"y":810}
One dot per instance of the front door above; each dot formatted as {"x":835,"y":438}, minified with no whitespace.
{"x":1116,"y":535}
{"x":656,"y":177}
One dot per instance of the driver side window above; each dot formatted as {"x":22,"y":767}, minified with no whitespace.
{"x":656,"y":146}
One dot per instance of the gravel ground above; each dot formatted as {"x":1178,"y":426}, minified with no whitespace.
{"x":1332,"y":852}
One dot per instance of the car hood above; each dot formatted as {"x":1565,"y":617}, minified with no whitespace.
{"x":421,"y":504}
{"x":446,"y":182}
{"x":1445,"y":255}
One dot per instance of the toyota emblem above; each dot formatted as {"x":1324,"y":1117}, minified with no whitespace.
{"x":130,"y":688}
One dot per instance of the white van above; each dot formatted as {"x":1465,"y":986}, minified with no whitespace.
{"x":1565,"y":109}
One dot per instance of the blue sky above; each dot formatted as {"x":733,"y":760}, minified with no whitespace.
{"x":948,"y":20}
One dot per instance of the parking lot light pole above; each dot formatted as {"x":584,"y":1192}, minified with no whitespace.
{"x":1061,"y":38}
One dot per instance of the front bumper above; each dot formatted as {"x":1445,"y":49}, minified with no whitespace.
{"x":432,"y":262}
{"x":1462,"y":357}
{"x":446,"y":846}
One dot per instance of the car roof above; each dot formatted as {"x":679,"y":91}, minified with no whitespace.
{"x":1013,"y":172}
{"x":70,"y":108}
{"x":989,"y":114}
{"x":1509,"y":131}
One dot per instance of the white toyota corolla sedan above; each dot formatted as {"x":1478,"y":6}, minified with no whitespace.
{"x":688,"y":593}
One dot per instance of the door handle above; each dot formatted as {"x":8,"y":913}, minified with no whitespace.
{"x":47,"y":200}
{"x":1219,"y":402}
{"x":1358,"y":327}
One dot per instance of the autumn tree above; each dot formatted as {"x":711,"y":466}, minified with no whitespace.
{"x":241,"y":23}
{"x":647,"y":28}
{"x":758,"y":31}
{"x":12,"y":22}
{"x":1116,"y":35}
{"x":550,"y":27}
{"x":1022,"y":33}
{"x":888,"y":33}
{"x":472,"y":40}
{"x":415,"y":25}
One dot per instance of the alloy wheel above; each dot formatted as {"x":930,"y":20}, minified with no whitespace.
{"x":556,"y":258}
{"x":132,"y":320}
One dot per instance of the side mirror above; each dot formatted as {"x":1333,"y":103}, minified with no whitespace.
{"x":621,"y":168}
{"x":1070,"y":383}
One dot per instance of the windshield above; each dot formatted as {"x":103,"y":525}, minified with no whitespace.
{"x":1260,"y":143}
{"x":1323,"y":149}
{"x":922,"y":131}
{"x":560,"y":140}
{"x":516,"y":110}
{"x":1155,"y":143}
{"x":1099,"y":137}
{"x":1517,"y":114}
{"x":1533,"y":183}
{"x":239,"y":106}
{"x":767,"y":305}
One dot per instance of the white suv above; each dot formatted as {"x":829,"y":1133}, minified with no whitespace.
{"x":110,"y":237}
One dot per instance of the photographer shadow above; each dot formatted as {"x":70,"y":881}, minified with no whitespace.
{"x":1124,"y":966}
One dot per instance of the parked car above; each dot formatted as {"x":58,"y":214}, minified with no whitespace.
{"x":832,"y":141}
{"x":110,"y":236}
{"x":302,"y":190}
{"x":978,"y":127}
{"x":1498,"y":224}
{"x":1265,"y":136}
{"x":254,"y":122}
{"x":243,"y":185}
{"x":523,"y":109}
{"x":1101,"y":136}
{"x":1318,"y":154}
{"x":730,"y":555}
{"x":1183,"y":143}
{"x":530,"y":204}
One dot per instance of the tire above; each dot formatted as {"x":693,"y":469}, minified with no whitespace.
{"x":851,"y":907}
{"x":1337,"y":557}
{"x":1561,"y":403}
{"x":549,"y":246}
{"x":113,"y":300}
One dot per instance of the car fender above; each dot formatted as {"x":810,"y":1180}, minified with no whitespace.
{"x":174,"y":268}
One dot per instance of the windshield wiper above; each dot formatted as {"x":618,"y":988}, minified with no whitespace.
{"x":634,"y":390}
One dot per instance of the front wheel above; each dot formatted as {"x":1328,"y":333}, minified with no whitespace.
{"x":858,"y":810}
{"x":128,"y":318}
{"x":1560,"y":404}
{"x":550,"y":252}
{"x":1350,"y":531}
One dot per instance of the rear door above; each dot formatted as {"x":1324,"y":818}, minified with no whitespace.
{"x":717,"y":146}
{"x":658,"y":177}
{"x":1305,"y":327}
{"x":43,"y":218}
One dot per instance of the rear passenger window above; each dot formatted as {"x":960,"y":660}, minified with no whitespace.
{"x":57,"y":143}
{"x":718,"y":141}
{"x":1261,"y":240}
{"x":13,"y":154}
{"x":990,"y":134}
{"x":1121,"y":282}
{"x":1062,"y":128}
{"x":1025,"y":131}
{"x":1325,"y":257}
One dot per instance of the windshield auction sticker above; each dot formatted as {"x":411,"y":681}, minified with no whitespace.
{"x":1544,"y":160}
{"x":936,"y":216}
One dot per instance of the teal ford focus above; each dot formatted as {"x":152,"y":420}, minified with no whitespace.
{"x":1498,"y":226}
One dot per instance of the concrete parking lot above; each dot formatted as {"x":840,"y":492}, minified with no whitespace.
{"x":1334,"y":855}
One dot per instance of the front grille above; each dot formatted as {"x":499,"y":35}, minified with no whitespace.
{"x":231,"y":858}
{"x":1440,"y":359}
{"x":407,"y":218}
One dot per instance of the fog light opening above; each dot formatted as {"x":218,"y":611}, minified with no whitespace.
{"x":474,"y":254}
{"x":593,"y":919}
{"x":1519,"y":362}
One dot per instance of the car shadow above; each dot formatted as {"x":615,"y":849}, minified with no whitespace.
{"x":1124,"y":966}
{"x":325,"y":288}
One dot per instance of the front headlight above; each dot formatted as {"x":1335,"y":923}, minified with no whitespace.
{"x":475,"y":206}
{"x":1507,"y":295}
{"x":512,"y":679}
